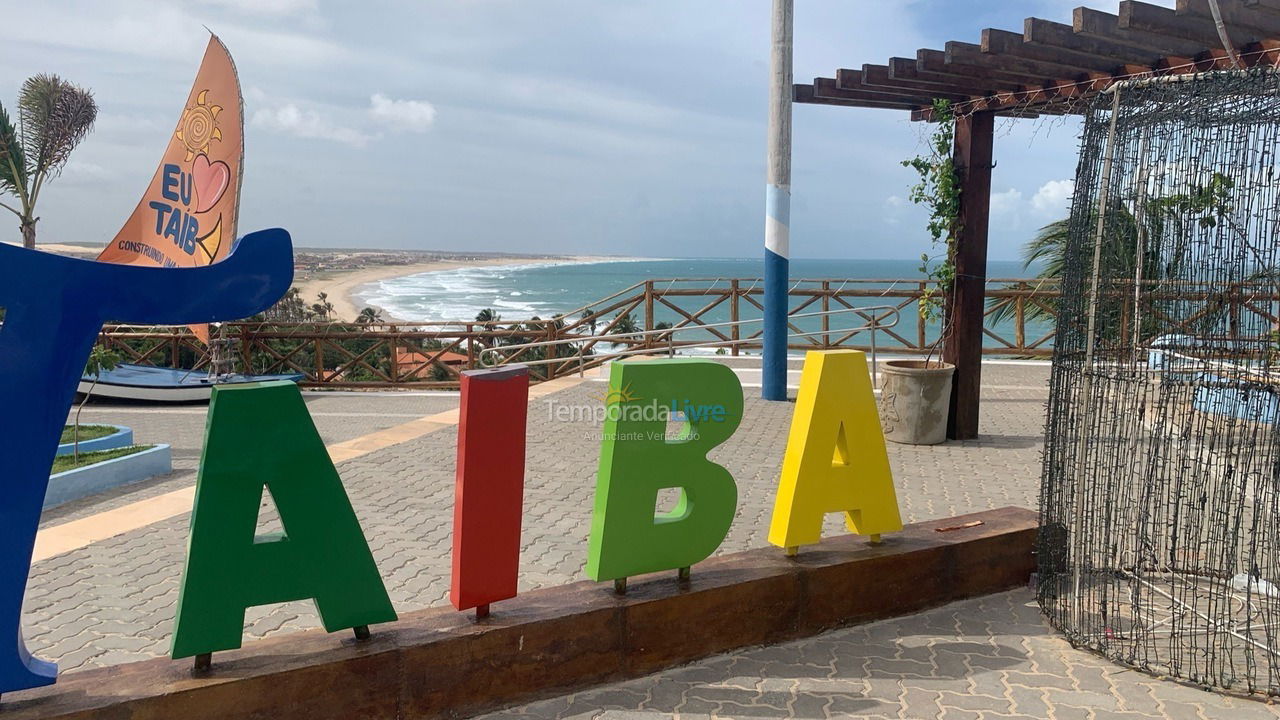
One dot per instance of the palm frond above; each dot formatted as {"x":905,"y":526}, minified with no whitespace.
{"x":1047,"y":248}
{"x":55,"y":116}
{"x":13,"y":162}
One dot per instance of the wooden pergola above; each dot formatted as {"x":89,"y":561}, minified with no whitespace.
{"x":1049,"y":68}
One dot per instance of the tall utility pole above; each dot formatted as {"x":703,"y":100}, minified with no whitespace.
{"x":777,"y":221}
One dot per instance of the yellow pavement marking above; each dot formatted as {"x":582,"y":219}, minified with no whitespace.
{"x":76,"y":534}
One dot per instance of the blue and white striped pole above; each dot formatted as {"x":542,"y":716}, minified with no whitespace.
{"x":777,"y":222}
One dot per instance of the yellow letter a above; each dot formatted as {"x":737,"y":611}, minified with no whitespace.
{"x":836,"y":459}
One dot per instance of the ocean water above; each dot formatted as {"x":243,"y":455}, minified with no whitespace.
{"x":520,"y":292}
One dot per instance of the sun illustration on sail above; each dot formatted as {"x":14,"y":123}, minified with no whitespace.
{"x":625,"y":395}
{"x":199,"y":125}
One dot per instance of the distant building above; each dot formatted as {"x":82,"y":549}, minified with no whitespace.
{"x":413,"y":365}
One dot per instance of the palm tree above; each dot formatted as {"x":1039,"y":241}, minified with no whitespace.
{"x":290,"y":308}
{"x":625,"y":325}
{"x":53,"y":117}
{"x":369,"y":315}
{"x":324,"y":308}
{"x":1168,"y":217}
{"x":488,"y":315}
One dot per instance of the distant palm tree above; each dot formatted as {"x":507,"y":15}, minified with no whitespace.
{"x":369,"y":315}
{"x":290,"y":308}
{"x":324,"y":308}
{"x":625,"y":325}
{"x":53,"y":117}
{"x":488,"y":315}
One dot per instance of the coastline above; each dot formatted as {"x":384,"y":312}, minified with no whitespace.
{"x":343,"y":287}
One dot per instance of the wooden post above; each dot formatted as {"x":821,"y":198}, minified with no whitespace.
{"x":733,"y":316}
{"x":922,"y":340}
{"x":320,"y":372}
{"x":648,"y":310}
{"x":394,"y":366}
{"x":826,"y":319}
{"x":246,"y":351}
{"x":1020,"y":319}
{"x":963,"y":347}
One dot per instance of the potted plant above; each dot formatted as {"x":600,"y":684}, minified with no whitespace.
{"x":915,"y":395}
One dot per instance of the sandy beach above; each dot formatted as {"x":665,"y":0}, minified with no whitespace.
{"x":342,"y":286}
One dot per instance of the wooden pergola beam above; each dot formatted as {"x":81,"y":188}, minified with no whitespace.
{"x":936,"y":61}
{"x":1163,"y":21}
{"x":1269,"y":6}
{"x":878,"y":76}
{"x":1105,"y":26}
{"x":960,"y":53}
{"x":857,"y":80}
{"x":1036,"y":31}
{"x":1264,"y":52}
{"x":1005,"y":43}
{"x":909,"y":68}
{"x":1048,"y":68}
{"x":1244,"y":24}
{"x":802,"y":93}
{"x":829,"y":88}
{"x":926,"y":114}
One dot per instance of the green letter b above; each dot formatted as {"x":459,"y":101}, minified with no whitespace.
{"x":638,"y":459}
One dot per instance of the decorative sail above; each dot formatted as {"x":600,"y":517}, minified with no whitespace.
{"x":187,"y":216}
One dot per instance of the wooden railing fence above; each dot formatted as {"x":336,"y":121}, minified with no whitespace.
{"x":432,"y":354}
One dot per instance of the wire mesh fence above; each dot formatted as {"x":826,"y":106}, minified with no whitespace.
{"x":1159,"y":543}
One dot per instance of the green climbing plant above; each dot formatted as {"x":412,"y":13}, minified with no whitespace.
{"x":938,"y":190}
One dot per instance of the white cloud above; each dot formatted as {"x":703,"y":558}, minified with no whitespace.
{"x":1054,"y":197}
{"x":409,"y":115}
{"x":1006,"y":202}
{"x":265,"y":7}
{"x":893,"y":208}
{"x":308,"y":124}
{"x":80,"y":172}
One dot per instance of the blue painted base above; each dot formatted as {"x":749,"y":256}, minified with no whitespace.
{"x":773,"y":366}
{"x":122,"y":437}
{"x":92,"y":479}
{"x":1252,"y":404}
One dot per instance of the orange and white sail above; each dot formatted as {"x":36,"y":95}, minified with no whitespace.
{"x":187,"y":217}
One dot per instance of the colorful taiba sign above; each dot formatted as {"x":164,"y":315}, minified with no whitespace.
{"x":489,"y":496}
{"x":187,"y":216}
{"x":260,"y":437}
{"x":638,"y":459}
{"x":55,"y":307}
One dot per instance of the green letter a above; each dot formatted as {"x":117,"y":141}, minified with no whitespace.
{"x":257,"y":435}
{"x":637,"y":460}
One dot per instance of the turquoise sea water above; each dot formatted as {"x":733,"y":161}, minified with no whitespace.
{"x":519,"y":292}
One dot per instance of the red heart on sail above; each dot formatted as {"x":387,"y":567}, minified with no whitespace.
{"x":211,"y":180}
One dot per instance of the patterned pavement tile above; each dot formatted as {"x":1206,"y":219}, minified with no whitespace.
{"x":113,"y":601}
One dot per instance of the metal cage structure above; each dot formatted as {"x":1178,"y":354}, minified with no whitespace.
{"x":1160,"y":493}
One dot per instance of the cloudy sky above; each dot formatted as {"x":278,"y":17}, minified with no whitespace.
{"x":558,"y":126}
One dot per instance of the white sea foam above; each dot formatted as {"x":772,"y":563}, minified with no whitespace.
{"x":460,"y":293}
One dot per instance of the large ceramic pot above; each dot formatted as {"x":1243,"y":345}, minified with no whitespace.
{"x":915,"y":396}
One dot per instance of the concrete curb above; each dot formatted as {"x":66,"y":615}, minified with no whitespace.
{"x":122,"y":437}
{"x":91,"y":479}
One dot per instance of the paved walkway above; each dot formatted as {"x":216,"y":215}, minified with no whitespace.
{"x":990,"y":658}
{"x":112,"y":600}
